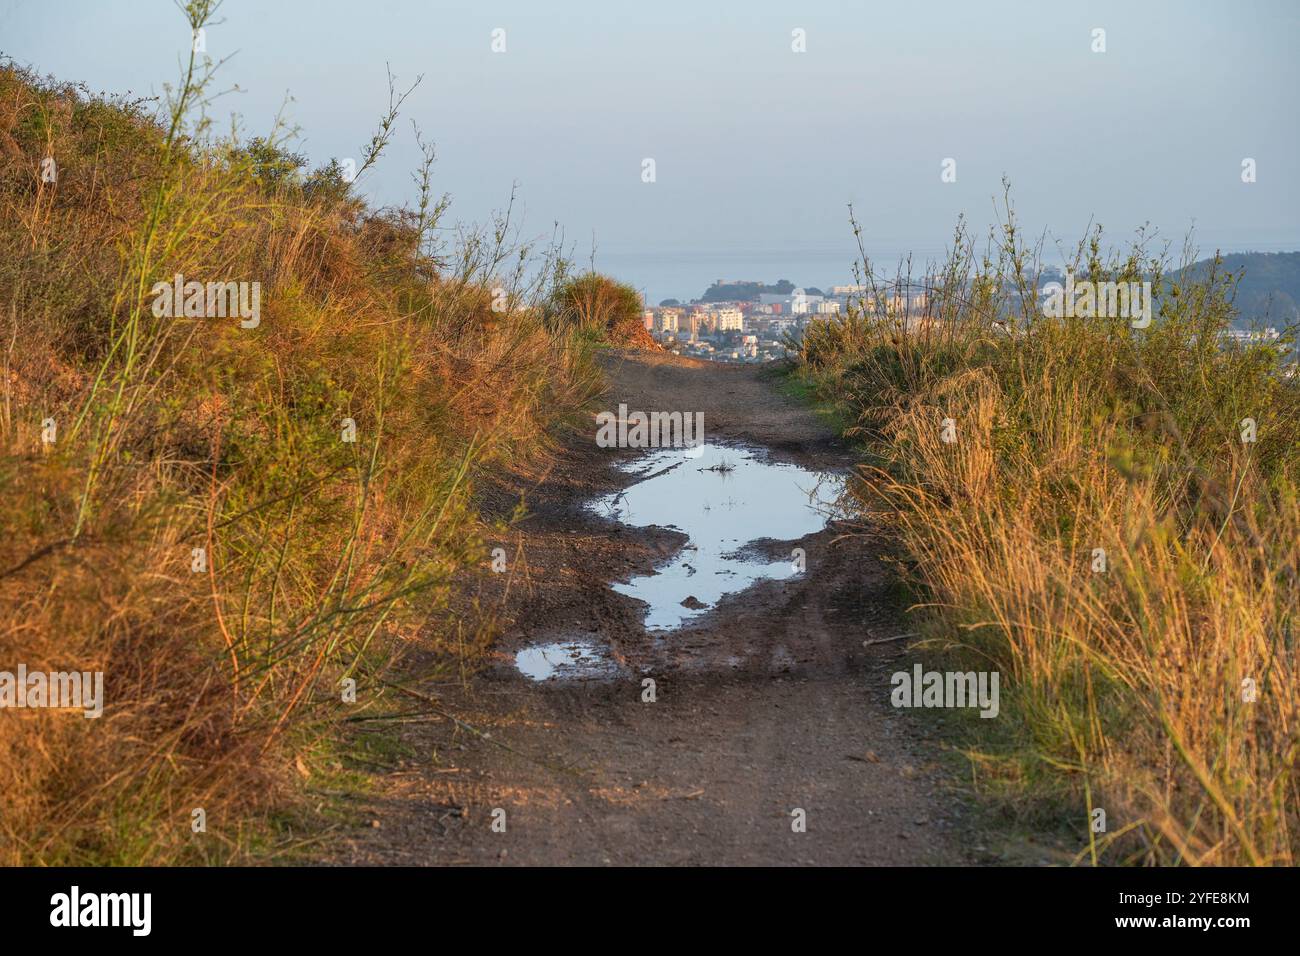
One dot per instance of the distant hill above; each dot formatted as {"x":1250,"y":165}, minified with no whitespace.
{"x":1269,"y":291}
{"x":745,"y":291}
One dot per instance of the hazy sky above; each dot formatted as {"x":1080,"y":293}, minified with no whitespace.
{"x":758,"y":149}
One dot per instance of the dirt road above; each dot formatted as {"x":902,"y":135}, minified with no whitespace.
{"x":765,"y":705}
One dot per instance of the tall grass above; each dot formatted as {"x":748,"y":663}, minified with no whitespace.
{"x":201,"y":530}
{"x":599,"y":308}
{"x":1158,"y":680}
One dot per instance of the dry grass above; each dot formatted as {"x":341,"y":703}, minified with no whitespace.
{"x":1072,"y":435}
{"x":602,"y":308}
{"x":323,"y":557}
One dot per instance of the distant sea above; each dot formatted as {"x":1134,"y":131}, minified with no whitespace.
{"x":686,"y":270}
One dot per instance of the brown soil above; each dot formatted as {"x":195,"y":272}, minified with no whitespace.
{"x":767,"y":704}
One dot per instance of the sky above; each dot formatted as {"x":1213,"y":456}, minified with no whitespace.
{"x":757,"y":149}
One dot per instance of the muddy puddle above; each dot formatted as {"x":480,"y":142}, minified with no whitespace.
{"x":564,"y":660}
{"x":725,"y":498}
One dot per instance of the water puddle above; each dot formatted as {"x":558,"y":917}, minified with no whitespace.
{"x":724,"y":498}
{"x":564,"y":660}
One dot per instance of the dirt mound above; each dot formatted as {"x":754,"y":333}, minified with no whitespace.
{"x":633,"y":335}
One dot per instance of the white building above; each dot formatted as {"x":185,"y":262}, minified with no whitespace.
{"x":730,"y":320}
{"x":670,"y":320}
